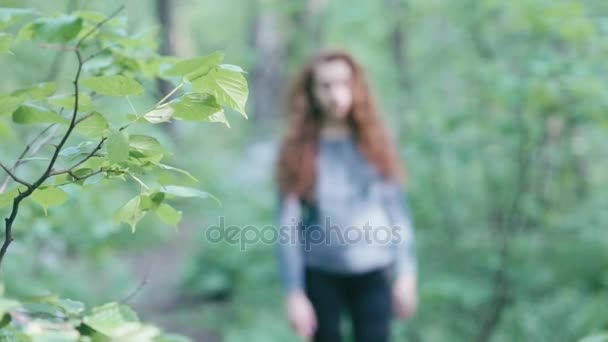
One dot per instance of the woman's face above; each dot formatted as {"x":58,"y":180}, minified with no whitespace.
{"x":332,"y":88}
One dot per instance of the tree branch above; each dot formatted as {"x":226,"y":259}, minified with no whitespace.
{"x":9,"y":221}
{"x":14,"y":177}
{"x":91,"y":154}
{"x":78,"y":179}
{"x":20,"y":161}
{"x":98,"y":26}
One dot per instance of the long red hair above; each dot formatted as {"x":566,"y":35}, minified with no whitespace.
{"x":296,"y":164}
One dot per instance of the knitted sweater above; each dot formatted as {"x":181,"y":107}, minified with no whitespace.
{"x":360,"y":220}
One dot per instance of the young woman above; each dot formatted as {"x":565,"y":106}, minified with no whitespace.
{"x":346,"y":239}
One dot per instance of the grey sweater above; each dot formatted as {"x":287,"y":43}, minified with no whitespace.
{"x":360,"y":220}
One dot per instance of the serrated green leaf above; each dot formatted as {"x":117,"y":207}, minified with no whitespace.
{"x":6,"y":41}
{"x":48,"y":197}
{"x":195,"y":107}
{"x":171,"y":168}
{"x":228,"y":86}
{"x":94,"y":126}
{"x":146,"y":145}
{"x":168,"y":214}
{"x":8,"y":104}
{"x":219,"y":117}
{"x":130,"y":213}
{"x":188,"y":192}
{"x":29,"y":114}
{"x":85,"y":103}
{"x":160,"y":114}
{"x":58,"y":30}
{"x":38,"y":91}
{"x":117,"y":147}
{"x":110,"y":318}
{"x":195,"y":67}
{"x":114,"y":85}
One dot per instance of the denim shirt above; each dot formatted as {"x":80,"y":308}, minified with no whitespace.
{"x":360,"y":221}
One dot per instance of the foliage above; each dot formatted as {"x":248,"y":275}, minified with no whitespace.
{"x":109,"y":62}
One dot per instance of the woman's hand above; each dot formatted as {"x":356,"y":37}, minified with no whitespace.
{"x":301,"y":314}
{"x":405,"y":299}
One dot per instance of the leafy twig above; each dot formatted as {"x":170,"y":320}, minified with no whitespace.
{"x":9,"y":221}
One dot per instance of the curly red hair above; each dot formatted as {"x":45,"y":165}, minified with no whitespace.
{"x":296,"y":164}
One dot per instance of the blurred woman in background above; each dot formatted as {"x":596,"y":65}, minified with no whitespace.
{"x":346,"y":237}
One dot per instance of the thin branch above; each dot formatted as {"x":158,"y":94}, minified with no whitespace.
{"x":79,"y":178}
{"x":139,"y":287}
{"x":132,"y":106}
{"x":88,"y":156}
{"x":84,"y":118}
{"x":9,"y":221}
{"x":95,"y":54}
{"x":14,"y":177}
{"x":20,"y":160}
{"x":169,"y":95}
{"x":98,"y":25}
{"x":58,"y":47}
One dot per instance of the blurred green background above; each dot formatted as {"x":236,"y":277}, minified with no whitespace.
{"x":500,"y":111}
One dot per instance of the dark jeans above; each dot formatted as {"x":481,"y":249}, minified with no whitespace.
{"x":366,"y":297}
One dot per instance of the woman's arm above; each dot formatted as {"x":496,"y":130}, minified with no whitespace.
{"x":400,"y":217}
{"x":405,"y":298}
{"x":300,"y":312}
{"x":289,"y":244}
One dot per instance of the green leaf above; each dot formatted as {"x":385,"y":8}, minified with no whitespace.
{"x":85,"y":103}
{"x":118,"y":147}
{"x":70,"y":307}
{"x":130,"y":213}
{"x":146,"y":145}
{"x":94,"y":126}
{"x":171,"y":168}
{"x":5,"y":131}
{"x":219,"y":117}
{"x":48,"y":197}
{"x":29,"y":114}
{"x":233,"y":68}
{"x":114,"y":85}
{"x":195,"y":107}
{"x":58,"y":30}
{"x":8,"y":16}
{"x":6,"y":41}
{"x":6,"y":198}
{"x":71,"y":151}
{"x":38,"y":91}
{"x":228,"y":86}
{"x":111,"y":319}
{"x":152,"y":201}
{"x":184,"y":191}
{"x":160,"y":114}
{"x":8,"y":104}
{"x":168,"y":214}
{"x":195,"y":67}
